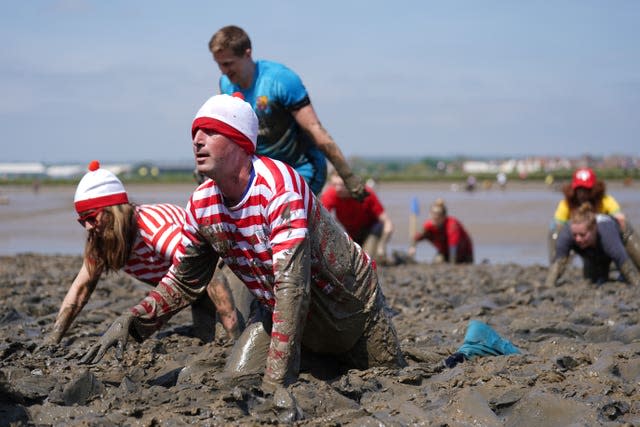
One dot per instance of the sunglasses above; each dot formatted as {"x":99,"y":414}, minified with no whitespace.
{"x":89,"y":218}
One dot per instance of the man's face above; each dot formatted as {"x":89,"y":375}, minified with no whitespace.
{"x":215,"y":154}
{"x":236,"y":68}
{"x":584,"y":234}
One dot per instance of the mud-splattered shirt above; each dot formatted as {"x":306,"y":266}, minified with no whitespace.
{"x":288,"y":250}
{"x":159,"y":233}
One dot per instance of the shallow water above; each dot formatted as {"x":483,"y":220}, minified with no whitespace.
{"x":507,"y":226}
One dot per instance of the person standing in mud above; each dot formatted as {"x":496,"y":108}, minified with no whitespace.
{"x":597,"y":239}
{"x":366,"y":222}
{"x":447,"y":234}
{"x":290,"y":130}
{"x":586,"y":187}
{"x":314,"y":287}
{"x":141,"y":240}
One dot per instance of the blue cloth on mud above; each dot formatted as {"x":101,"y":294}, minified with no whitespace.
{"x":482,"y":340}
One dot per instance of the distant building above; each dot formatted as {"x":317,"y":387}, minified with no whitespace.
{"x":65,"y":171}
{"x":39,"y":170}
{"x":22,"y":170}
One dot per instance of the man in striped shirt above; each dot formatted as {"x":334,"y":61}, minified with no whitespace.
{"x":315,"y":287}
{"x":142,"y":241}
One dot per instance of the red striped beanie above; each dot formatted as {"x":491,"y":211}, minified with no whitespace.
{"x":99,"y":188}
{"x":231,"y":117}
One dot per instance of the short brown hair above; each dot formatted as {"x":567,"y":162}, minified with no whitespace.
{"x":230,"y":37}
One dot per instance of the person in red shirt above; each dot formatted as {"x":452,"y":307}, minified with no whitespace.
{"x":366,"y":222}
{"x":447,"y":234}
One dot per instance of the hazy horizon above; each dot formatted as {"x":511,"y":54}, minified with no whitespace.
{"x":121,"y":80}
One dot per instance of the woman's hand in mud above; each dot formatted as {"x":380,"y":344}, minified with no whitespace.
{"x":117,"y":335}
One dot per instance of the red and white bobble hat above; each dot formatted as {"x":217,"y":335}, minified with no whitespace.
{"x":99,"y":188}
{"x":230,"y":116}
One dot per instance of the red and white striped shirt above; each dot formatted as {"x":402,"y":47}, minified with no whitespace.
{"x":255,"y":237}
{"x":282,"y":243}
{"x":159,"y":234}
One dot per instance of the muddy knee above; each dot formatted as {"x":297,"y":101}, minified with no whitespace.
{"x":249,"y":353}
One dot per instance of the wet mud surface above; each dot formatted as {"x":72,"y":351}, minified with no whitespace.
{"x":580,"y":361}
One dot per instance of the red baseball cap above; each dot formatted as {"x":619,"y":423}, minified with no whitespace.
{"x":583,"y":177}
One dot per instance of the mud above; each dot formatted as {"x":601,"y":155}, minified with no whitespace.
{"x":580,"y":361}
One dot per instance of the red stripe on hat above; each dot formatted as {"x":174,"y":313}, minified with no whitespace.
{"x":100,"y":202}
{"x":223,"y":129}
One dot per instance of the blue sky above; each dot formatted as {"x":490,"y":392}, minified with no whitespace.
{"x":121,"y":80}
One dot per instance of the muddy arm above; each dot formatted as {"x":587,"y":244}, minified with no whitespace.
{"x":292,"y":294}
{"x":74,"y":301}
{"x":185,"y":282}
{"x":555,"y":271}
{"x":387,"y":231}
{"x":308,"y":120}
{"x":219,"y":292}
{"x":630,"y":272}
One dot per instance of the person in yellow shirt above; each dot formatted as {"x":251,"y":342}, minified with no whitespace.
{"x":586,"y":187}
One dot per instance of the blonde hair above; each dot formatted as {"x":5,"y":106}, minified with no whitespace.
{"x":584,"y":214}
{"x":438,"y":207}
{"x":109,"y":249}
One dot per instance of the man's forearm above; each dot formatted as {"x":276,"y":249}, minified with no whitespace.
{"x":184,"y":283}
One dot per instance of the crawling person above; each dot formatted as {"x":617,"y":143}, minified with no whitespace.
{"x":315,"y":288}
{"x":586,"y":187}
{"x":447,"y":234}
{"x":140,"y":240}
{"x":598,"y":241}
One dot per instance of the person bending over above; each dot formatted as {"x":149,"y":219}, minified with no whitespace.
{"x":452,"y":242}
{"x":586,"y":187}
{"x":596,"y":238}
{"x":315,"y":287}
{"x":140,"y":240}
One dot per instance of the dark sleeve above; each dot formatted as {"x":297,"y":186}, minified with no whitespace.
{"x":611,"y":240}
{"x":564,"y":242}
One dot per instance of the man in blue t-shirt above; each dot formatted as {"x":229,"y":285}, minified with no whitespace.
{"x":289,"y":129}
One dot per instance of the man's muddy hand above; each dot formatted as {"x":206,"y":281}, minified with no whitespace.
{"x":117,"y":335}
{"x":356,"y":187}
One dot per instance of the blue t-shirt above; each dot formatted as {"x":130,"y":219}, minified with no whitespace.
{"x":276,"y":92}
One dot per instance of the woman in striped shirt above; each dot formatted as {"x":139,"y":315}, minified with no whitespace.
{"x":140,"y":240}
